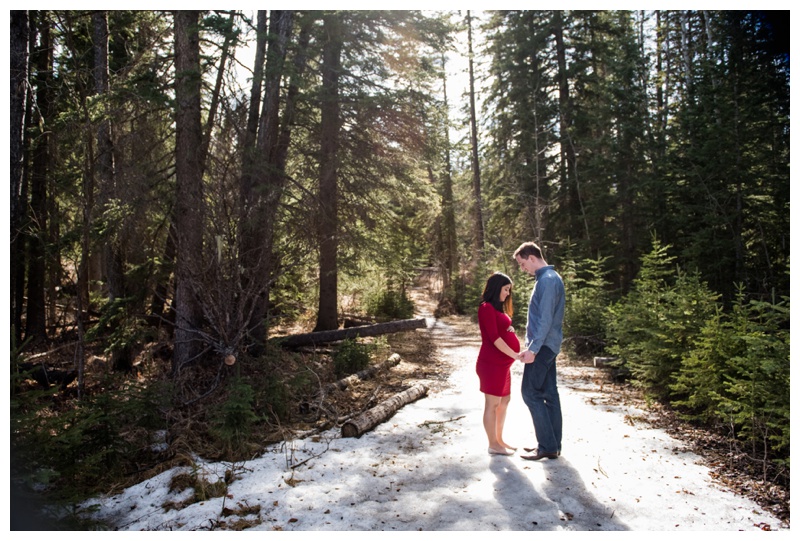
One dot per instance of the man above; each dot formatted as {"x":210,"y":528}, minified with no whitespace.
{"x":543,"y":342}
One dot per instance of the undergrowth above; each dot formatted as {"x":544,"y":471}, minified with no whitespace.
{"x":129,"y":427}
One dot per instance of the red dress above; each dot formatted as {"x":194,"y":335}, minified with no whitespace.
{"x":494,"y":366}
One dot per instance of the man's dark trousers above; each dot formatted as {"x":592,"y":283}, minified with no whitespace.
{"x":540,"y":394}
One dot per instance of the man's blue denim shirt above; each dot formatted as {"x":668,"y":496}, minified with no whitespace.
{"x":545,"y":311}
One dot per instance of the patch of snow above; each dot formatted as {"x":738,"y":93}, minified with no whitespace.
{"x":427,"y":468}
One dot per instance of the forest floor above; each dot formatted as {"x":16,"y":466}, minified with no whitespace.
{"x":626,"y":464}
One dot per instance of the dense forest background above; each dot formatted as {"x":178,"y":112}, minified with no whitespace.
{"x":185,"y":186}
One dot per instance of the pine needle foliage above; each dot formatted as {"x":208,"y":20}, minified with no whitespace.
{"x":86,"y":448}
{"x":234,"y":418}
{"x":586,"y":287}
{"x":656,"y":324}
{"x":738,"y":373}
{"x":350,"y":358}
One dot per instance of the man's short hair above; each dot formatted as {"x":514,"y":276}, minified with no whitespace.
{"x":527,"y":249}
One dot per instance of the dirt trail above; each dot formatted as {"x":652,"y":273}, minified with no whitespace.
{"x":617,"y":471}
{"x":427,"y":469}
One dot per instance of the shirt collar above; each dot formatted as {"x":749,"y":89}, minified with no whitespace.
{"x":542,"y":270}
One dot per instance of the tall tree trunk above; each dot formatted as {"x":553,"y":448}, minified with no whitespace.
{"x":262,"y":183}
{"x":113,"y":259}
{"x":249,"y":163}
{"x":36,"y":317}
{"x":20,"y":35}
{"x":686,"y":52}
{"x":287,"y":122}
{"x":104,"y":165}
{"x":188,"y":206}
{"x":280,"y":27}
{"x":569,"y":175}
{"x":450,"y":250}
{"x":258,"y":77}
{"x":664,"y":55}
{"x":214,"y":105}
{"x":82,"y":294}
{"x":328,"y":225}
{"x":476,"y":170}
{"x":168,"y":260}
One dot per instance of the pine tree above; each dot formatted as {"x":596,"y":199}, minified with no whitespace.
{"x":523,"y":62}
{"x":20,"y":57}
{"x":659,"y":320}
{"x":328,"y":197}
{"x":188,"y":213}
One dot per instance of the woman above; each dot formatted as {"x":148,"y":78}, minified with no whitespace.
{"x":499,"y":349}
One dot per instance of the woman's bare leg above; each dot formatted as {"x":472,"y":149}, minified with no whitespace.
{"x":502,"y":409}
{"x":490,"y":421}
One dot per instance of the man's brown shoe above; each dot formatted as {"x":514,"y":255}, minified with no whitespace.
{"x":539,"y":455}
{"x":534,"y":450}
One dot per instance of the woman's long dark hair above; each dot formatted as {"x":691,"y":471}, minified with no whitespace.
{"x":491,"y":293}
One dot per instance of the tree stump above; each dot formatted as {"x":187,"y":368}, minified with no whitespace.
{"x":371,"y":418}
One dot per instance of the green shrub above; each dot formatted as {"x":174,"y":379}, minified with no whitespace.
{"x":273,"y":387}
{"x":121,"y":331}
{"x":699,"y":385}
{"x":89,"y":447}
{"x":738,"y":373}
{"x":350,"y":358}
{"x":587,"y":300}
{"x":272,"y":399}
{"x":655,"y":326}
{"x":390,"y":304}
{"x":758,"y":389}
{"x":233,"y":419}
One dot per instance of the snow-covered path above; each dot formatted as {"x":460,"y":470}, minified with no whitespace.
{"x":427,"y":468}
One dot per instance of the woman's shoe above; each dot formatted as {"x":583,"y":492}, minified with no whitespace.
{"x":504,"y":452}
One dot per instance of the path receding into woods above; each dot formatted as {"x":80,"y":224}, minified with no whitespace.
{"x":428,"y":469}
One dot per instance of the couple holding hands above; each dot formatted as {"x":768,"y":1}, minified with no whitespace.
{"x":500,"y":347}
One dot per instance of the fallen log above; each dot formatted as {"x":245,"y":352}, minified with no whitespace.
{"x":371,"y":418}
{"x":323,"y":337}
{"x":46,"y":376}
{"x":368,"y":372}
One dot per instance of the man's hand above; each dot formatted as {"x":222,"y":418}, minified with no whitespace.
{"x":527,"y":357}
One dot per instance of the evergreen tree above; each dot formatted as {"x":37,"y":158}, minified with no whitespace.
{"x":328,"y":197}
{"x":41,"y":167}
{"x":653,"y":327}
{"x":189,"y":193}
{"x":20,"y":57}
{"x":727,"y":161}
{"x":521,"y":170}
{"x":738,"y":374}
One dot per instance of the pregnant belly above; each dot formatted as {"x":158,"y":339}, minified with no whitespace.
{"x":511,"y":339}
